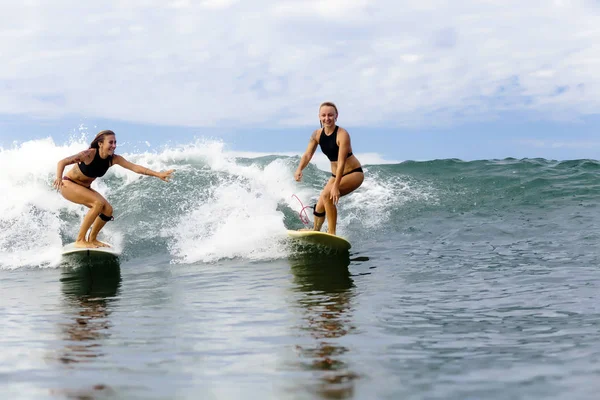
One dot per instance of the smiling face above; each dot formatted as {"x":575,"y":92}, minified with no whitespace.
{"x":108,"y":145}
{"x":328,"y":115}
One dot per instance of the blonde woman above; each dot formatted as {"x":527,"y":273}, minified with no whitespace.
{"x":346,"y":171}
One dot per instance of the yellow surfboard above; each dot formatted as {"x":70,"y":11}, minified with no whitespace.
{"x":320,"y":238}
{"x":71,"y":249}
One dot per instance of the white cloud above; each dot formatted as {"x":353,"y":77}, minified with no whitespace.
{"x":217,"y":4}
{"x":269,"y":63}
{"x":543,"y":73}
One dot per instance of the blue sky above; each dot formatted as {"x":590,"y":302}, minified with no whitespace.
{"x":417,"y":79}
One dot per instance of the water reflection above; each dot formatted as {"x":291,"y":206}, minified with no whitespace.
{"x":326,"y":303}
{"x":89,"y":285}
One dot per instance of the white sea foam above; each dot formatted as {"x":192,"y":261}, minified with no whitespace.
{"x":226,"y":207}
{"x":240,"y":217}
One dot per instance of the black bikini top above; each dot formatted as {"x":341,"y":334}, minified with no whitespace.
{"x":97,"y":167}
{"x":329,"y":145}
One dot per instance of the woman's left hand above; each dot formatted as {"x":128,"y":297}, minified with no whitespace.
{"x":334,"y":194}
{"x":166,"y":175}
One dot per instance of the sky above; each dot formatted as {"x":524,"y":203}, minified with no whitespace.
{"x":413,"y":79}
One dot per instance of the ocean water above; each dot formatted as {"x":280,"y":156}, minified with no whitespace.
{"x":466,"y":280}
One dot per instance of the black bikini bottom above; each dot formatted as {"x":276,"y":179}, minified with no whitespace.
{"x":359,"y":169}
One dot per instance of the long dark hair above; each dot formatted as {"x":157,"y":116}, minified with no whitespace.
{"x":100,"y":138}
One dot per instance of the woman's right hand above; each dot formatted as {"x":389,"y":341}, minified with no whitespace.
{"x":298,"y":175}
{"x":58,"y":183}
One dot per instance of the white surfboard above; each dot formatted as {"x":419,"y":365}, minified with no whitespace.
{"x":321,"y":238}
{"x":71,"y":249}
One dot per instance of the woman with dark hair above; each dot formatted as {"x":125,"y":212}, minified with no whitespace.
{"x":346,"y":171}
{"x":75,"y":184}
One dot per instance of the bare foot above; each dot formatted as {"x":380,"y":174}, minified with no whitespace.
{"x":98,"y":243}
{"x":306,"y":229}
{"x":85,"y":245}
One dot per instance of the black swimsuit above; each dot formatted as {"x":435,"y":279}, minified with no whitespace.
{"x":331,"y":149}
{"x":97,"y":167}
{"x":329,"y":145}
{"x":359,"y":169}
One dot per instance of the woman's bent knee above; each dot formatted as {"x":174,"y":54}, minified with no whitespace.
{"x":107,"y":209}
{"x":325,"y":197}
{"x":98,"y":205}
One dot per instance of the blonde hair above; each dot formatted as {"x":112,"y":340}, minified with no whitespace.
{"x":329,"y":104}
{"x":100,"y":138}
